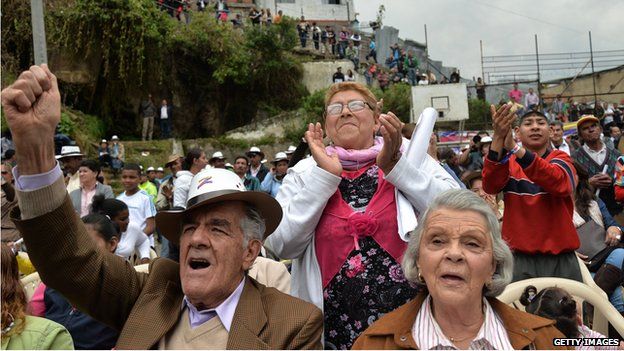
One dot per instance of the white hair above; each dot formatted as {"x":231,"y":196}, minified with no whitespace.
{"x":463,"y":200}
{"x":252,"y":225}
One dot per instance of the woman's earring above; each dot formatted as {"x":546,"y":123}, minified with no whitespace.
{"x":420,"y":278}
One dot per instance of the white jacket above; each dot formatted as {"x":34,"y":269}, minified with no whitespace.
{"x":181,"y":188}
{"x":303,"y":196}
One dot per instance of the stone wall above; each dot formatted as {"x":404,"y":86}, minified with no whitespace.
{"x":318,"y":75}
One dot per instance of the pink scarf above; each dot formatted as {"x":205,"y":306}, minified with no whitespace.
{"x":352,"y":160}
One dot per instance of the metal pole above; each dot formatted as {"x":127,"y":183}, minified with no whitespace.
{"x":539,"y":89}
{"x":38,"y":30}
{"x":591,"y":57}
{"x":482,"y":74}
{"x":426,"y":52}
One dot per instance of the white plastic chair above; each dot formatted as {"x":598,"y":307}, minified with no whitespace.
{"x":143,"y":268}
{"x":604,"y":312}
{"x":30,"y":283}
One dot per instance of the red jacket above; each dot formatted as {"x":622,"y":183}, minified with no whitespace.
{"x":538,"y":201}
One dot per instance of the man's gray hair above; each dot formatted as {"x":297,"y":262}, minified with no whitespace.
{"x":252,"y":225}
{"x":463,"y":200}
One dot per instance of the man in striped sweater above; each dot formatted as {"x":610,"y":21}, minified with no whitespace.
{"x":538,"y":184}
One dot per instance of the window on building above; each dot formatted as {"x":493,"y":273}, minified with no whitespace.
{"x":332,"y":2}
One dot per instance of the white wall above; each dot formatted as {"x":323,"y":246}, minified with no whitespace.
{"x":312,"y":9}
{"x":436,"y":96}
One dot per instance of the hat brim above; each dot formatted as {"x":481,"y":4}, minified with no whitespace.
{"x":586,"y":120}
{"x":249,"y":154}
{"x":279,"y":159}
{"x":75,"y":154}
{"x":169,"y":223}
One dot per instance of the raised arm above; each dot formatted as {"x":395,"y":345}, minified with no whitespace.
{"x":66,"y":257}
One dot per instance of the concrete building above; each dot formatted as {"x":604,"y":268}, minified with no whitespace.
{"x":321,"y":11}
{"x":609,"y":87}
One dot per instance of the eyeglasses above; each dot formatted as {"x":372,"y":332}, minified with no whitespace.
{"x":353,"y":106}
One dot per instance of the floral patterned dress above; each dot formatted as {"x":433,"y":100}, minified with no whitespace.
{"x":369,"y":284}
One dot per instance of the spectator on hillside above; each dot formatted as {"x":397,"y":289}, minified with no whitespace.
{"x":201,"y":5}
{"x":411,"y":65}
{"x":104,"y":153}
{"x":221,"y":9}
{"x":353,"y":53}
{"x":349,"y":77}
{"x":272,"y":182}
{"x":263,"y":18}
{"x":557,"y":105}
{"x":370,"y":74}
{"x":531,"y":100}
{"x":241,"y":166}
{"x":165,"y":117}
{"x":70,"y":158}
{"x":324,"y":41}
{"x":269,"y":19}
{"x":254,"y":16}
{"x":356,"y":39}
{"x":217,"y":160}
{"x":90,"y":185}
{"x":331,"y":39}
{"x":396,"y":75}
{"x":117,"y":154}
{"x":431,"y":77}
{"x":278,"y":17}
{"x":538,"y":186}
{"x":343,"y":41}
{"x":594,"y":155}
{"x":445,"y":81}
{"x":480,"y":87}
{"x":454,"y":78}
{"x":424,"y":80}
{"x":302,"y":28}
{"x":338,"y":76}
{"x":194,"y":162}
{"x":147,"y":110}
{"x":237,"y":22}
{"x":383,"y":79}
{"x":316,"y":36}
{"x":372,"y":53}
{"x":515,"y":94}
{"x":256,"y":168}
{"x":557,"y":141}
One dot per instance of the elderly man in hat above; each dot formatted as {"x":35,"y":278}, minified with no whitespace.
{"x":600,"y":162}
{"x":256,"y":168}
{"x":70,"y":158}
{"x":164,"y":200}
{"x":217,"y":160}
{"x":205,"y":302}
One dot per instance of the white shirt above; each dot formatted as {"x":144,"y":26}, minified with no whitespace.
{"x":140,"y":207}
{"x":427,"y":333}
{"x":163,"y":112}
{"x":563,"y":147}
{"x":597,"y":156}
{"x":133,"y":239}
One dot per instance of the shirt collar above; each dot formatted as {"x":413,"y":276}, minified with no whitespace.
{"x":225,"y":311}
{"x":428,"y":335}
{"x":589,"y":150}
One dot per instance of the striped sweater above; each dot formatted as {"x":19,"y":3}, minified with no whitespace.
{"x":538,"y":201}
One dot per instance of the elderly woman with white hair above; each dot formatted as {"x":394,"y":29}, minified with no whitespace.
{"x":459,"y":259}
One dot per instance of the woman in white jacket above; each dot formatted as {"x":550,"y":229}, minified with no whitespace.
{"x":341,"y":224}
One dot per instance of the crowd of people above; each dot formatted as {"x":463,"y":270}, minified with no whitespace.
{"x":385,"y":247}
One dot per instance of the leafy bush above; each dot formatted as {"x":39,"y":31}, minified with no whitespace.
{"x":478,"y":115}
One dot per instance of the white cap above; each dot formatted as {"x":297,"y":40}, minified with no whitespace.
{"x":228,"y":165}
{"x":141,"y":167}
{"x":115,"y":137}
{"x":264,"y":161}
{"x":150,"y":168}
{"x":218,"y":155}
{"x":254,"y":149}
{"x":160,"y":169}
{"x":104,"y":141}
{"x":486,"y":139}
{"x":69,"y":151}
{"x":280,"y":156}
{"x":291,"y":149}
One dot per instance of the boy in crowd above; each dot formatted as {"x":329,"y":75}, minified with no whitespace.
{"x":140,"y":205}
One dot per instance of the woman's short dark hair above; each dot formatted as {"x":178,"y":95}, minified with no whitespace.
{"x":553,"y":303}
{"x":192,"y":155}
{"x":95,"y":167}
{"x":105,"y":228}
{"x":107,"y":207}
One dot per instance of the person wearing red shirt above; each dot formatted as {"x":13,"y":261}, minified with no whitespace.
{"x":538,"y":185}
{"x":515,"y":94}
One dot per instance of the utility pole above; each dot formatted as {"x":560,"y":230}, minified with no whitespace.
{"x":426,"y":52}
{"x":38,"y":30}
{"x":591,"y":57}
{"x":482,"y":74}
{"x":539,"y":84}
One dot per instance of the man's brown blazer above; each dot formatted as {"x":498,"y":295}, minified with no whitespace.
{"x":144,"y":307}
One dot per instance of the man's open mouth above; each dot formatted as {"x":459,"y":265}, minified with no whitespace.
{"x":198,"y":263}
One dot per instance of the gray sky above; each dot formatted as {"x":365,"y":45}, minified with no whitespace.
{"x":454,"y":27}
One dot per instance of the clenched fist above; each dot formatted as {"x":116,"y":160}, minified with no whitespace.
{"x":32,"y":106}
